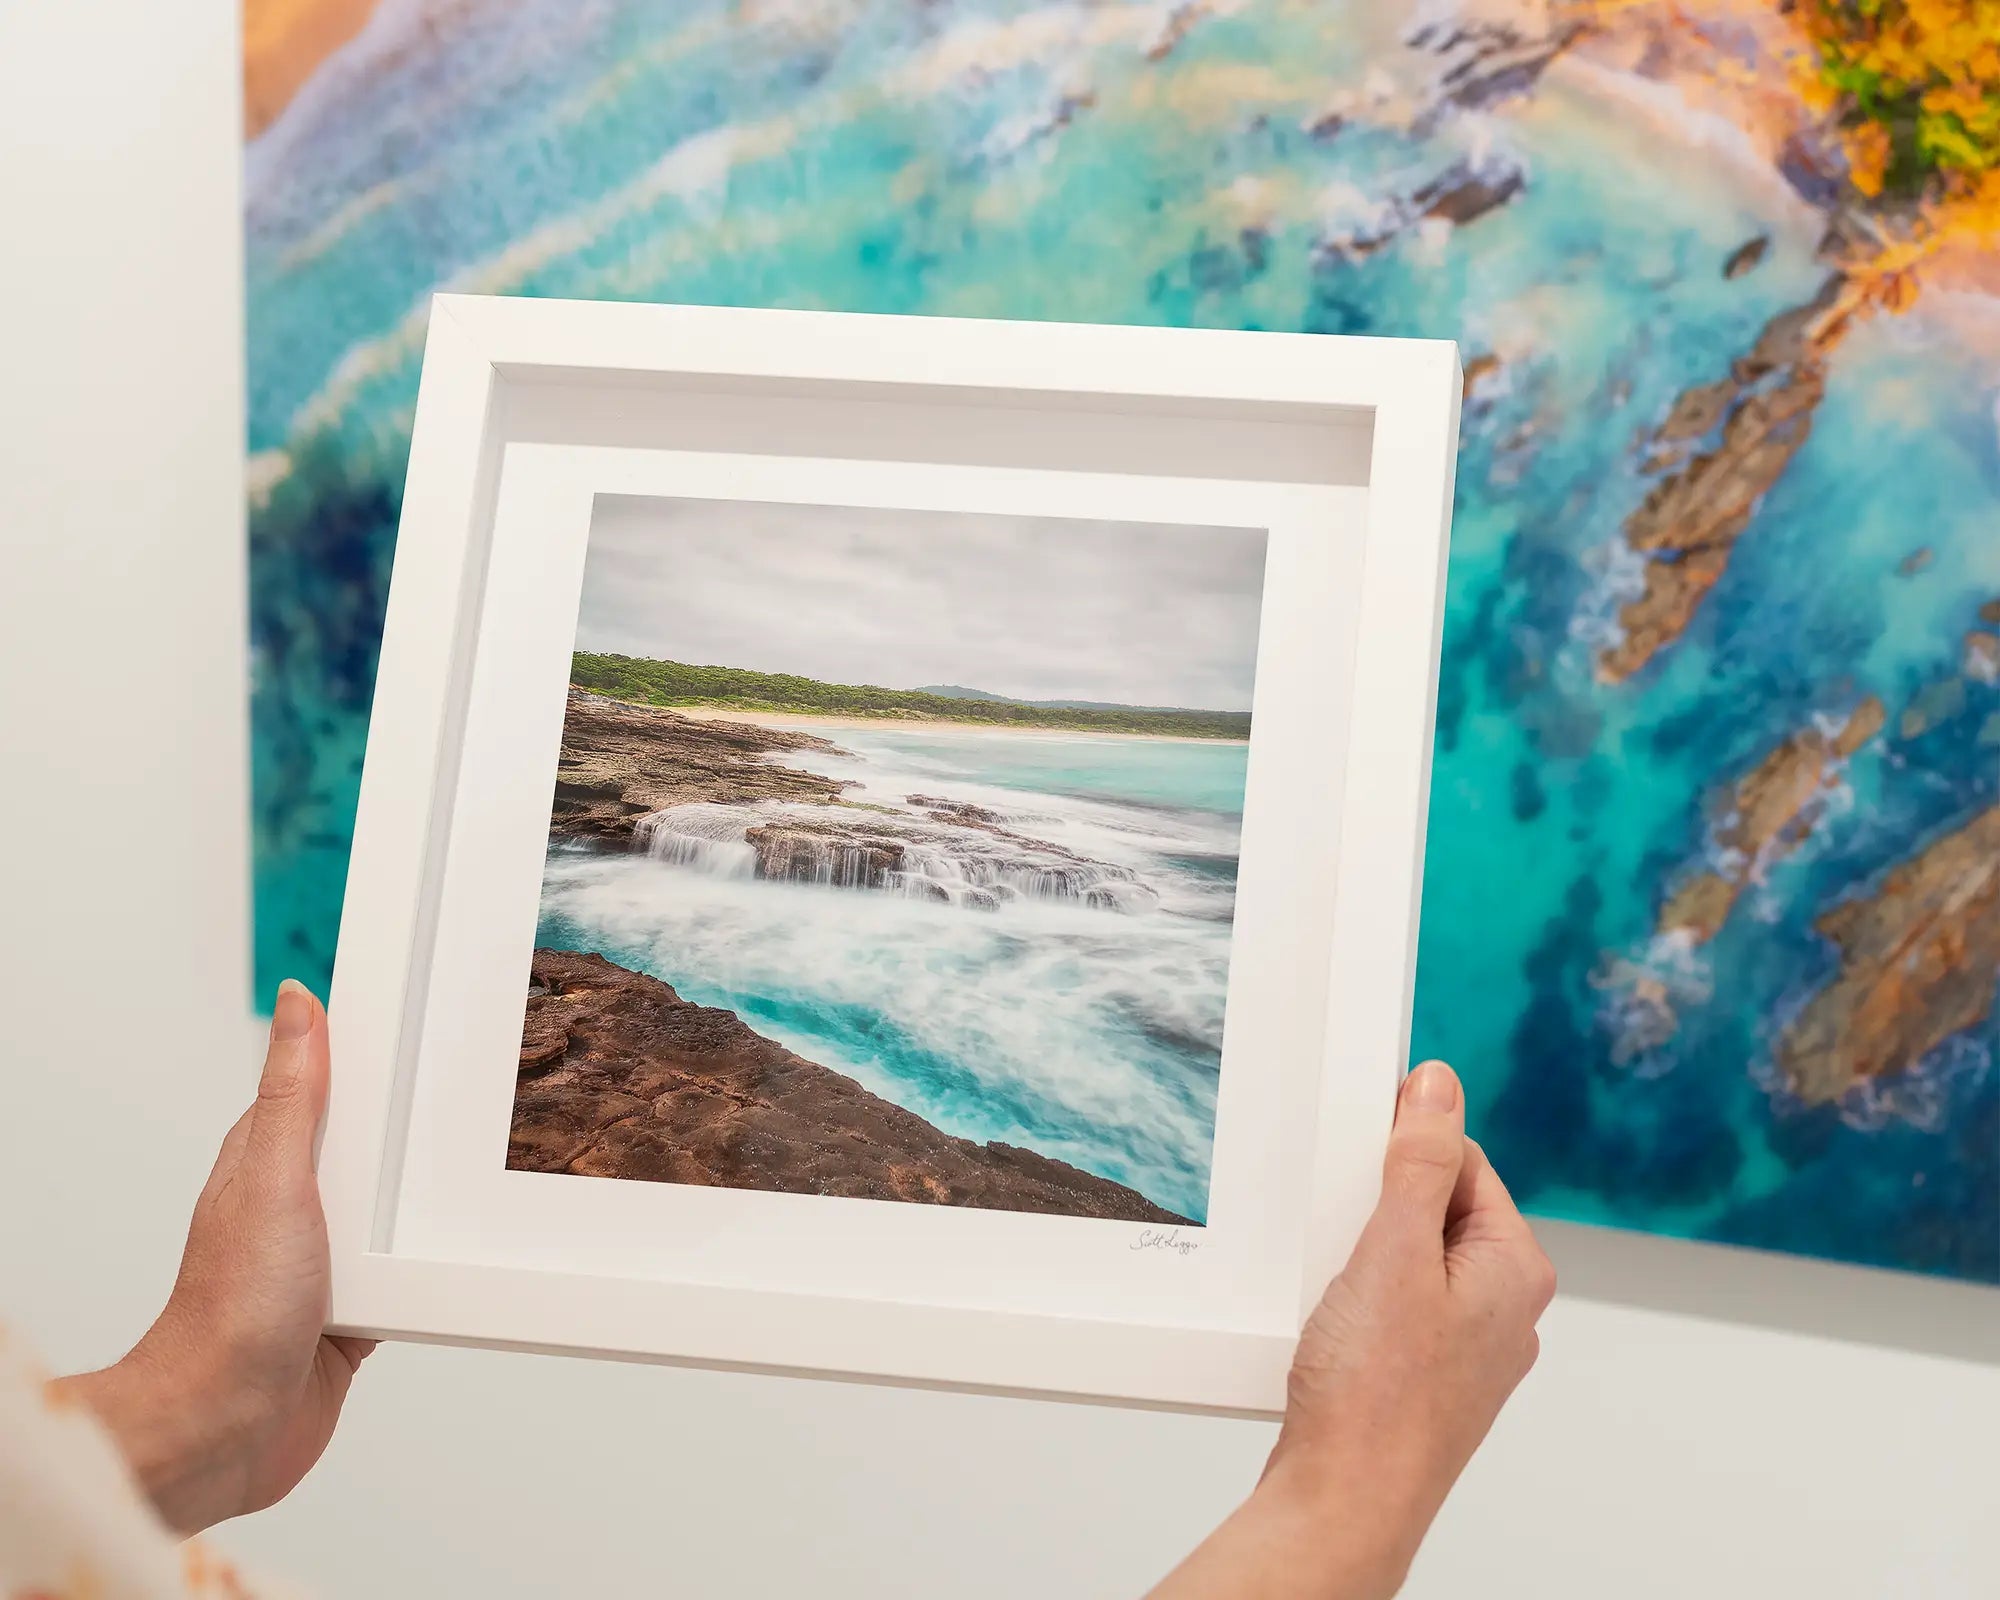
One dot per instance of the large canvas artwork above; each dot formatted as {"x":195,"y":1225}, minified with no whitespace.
{"x":1712,"y":906}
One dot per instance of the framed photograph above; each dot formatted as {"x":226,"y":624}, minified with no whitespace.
{"x":888,"y":847}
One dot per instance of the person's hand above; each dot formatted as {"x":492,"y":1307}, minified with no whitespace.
{"x":1420,"y":1340}
{"x":1398,"y":1376}
{"x":232,"y":1394}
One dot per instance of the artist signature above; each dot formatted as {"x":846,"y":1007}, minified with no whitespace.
{"x":1166,"y":1239}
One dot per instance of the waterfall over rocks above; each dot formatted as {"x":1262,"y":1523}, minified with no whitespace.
{"x":706,"y":835}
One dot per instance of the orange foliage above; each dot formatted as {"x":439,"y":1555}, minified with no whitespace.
{"x":1913,"y":90}
{"x":1915,"y":83}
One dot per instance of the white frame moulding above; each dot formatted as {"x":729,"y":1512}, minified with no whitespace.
{"x":1389,"y":405}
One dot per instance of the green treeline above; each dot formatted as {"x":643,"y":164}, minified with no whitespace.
{"x":673,"y":683}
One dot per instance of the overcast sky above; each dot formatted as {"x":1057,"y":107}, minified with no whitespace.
{"x":1029,"y":607}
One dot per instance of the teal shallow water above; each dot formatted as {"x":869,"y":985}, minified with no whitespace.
{"x":1189,"y":774}
{"x":920,"y":159}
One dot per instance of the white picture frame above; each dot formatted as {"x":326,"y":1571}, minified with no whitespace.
{"x":1342,"y":448}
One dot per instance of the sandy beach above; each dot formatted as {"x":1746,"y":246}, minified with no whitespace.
{"x":788,"y":719}
{"x":284,"y":44}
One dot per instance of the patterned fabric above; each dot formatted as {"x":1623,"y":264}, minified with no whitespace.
{"x":73,"y":1524}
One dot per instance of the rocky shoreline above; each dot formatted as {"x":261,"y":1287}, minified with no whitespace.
{"x":702,"y":792}
{"x":1918,"y":942}
{"x":620,"y":762}
{"x":1918,"y":958}
{"x":1919,"y":945}
{"x":1764,"y":817}
{"x":1758,"y":417}
{"x":620,"y":1077}
{"x":1724,"y":444}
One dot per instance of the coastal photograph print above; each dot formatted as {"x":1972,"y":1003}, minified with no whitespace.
{"x":892,"y":856}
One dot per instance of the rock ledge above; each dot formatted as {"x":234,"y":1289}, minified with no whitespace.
{"x":621,"y":1078}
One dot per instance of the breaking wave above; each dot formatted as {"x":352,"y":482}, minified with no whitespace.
{"x":1043,"y":968}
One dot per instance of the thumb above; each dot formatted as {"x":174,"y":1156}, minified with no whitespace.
{"x":1426,"y":1151}
{"x":292,"y":1091}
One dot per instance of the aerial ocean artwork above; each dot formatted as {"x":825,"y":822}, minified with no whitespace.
{"x":1712,"y":897}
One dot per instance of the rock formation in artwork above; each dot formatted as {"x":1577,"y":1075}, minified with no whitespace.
{"x":620,"y":762}
{"x":942,"y":859}
{"x":1690,"y":521}
{"x":1757,"y":821}
{"x":622,"y":1078}
{"x":1982,"y":656}
{"x":1919,"y":958}
{"x":1747,"y":257}
{"x":1765,"y":815}
{"x":706,"y":793}
{"x":1462,"y":193}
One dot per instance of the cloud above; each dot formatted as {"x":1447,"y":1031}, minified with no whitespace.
{"x":1037,"y":608}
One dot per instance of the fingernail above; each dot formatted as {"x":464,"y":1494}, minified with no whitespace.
{"x":292,"y":1015}
{"x":1432,"y":1087}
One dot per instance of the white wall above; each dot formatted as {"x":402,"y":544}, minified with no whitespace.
{"x":1703,"y":1423}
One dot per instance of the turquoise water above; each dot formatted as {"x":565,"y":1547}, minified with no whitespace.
{"x":1190,"y":775}
{"x":964,"y":158}
{"x":1090,"y":1035}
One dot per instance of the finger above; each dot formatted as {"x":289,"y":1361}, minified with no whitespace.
{"x":1473,"y":1170}
{"x":1493,"y":1255}
{"x":291,"y":1094}
{"x":1480,"y":1204}
{"x":1426,"y":1154}
{"x":1481,"y":1208}
{"x":1487,"y":1237}
{"x":335,"y":1368}
{"x":353,"y":1351}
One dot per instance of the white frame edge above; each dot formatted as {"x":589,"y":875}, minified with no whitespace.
{"x":1412,"y":389}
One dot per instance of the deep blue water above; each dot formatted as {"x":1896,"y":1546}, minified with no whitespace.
{"x":965,"y":158}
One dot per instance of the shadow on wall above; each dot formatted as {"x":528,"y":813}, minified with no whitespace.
{"x":1788,"y":1294}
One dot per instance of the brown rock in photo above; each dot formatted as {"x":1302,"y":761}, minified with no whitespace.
{"x":622,"y":1078}
{"x":620,"y":761}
